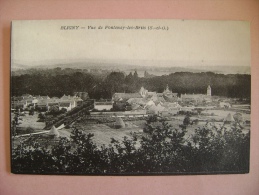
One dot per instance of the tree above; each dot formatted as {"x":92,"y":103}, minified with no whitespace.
{"x":162,"y":149}
{"x":187,"y":120}
{"x":135,"y":75}
{"x":238,"y":117}
{"x":115,"y":82}
{"x":129,"y":78}
{"x":54,"y":110}
{"x":31,"y":112}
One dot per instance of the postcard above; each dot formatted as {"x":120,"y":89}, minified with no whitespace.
{"x":130,"y":97}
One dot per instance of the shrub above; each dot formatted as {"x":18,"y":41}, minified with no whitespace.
{"x":28,"y":130}
{"x":161,"y":149}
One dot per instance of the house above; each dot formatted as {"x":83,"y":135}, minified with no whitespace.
{"x":143,"y":92}
{"x":51,"y":104}
{"x":224,"y":105}
{"x":137,"y":101}
{"x":42,"y":97}
{"x":82,"y":95}
{"x":42,"y":104}
{"x":169,"y":94}
{"x":120,"y":100}
{"x":125,"y":96}
{"x":155,"y":109}
{"x":150,"y":103}
{"x":197,"y":98}
{"x":26,"y":96}
{"x":66,"y":105}
{"x":103,"y":105}
{"x":54,"y":99}
{"x":19,"y":105}
{"x":171,"y":98}
{"x":65,"y":97}
{"x":16,"y":98}
{"x":192,"y":97}
{"x":135,"y":106}
{"x":75,"y":100}
{"x":31,"y":101}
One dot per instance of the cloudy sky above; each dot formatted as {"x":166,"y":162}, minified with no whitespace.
{"x":188,"y":42}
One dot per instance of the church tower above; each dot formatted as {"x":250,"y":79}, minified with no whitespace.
{"x":209,"y":91}
{"x":143,"y":91}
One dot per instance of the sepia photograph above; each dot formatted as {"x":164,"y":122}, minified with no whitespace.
{"x":130,"y":97}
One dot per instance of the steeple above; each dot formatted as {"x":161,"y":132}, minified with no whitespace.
{"x":167,"y":88}
{"x":208,"y":90}
{"x":143,"y":91}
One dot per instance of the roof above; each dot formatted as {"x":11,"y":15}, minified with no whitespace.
{"x":23,"y":101}
{"x":29,"y":99}
{"x":27,"y":96}
{"x":17,"y":98}
{"x":125,"y":96}
{"x":80,"y":93}
{"x":137,"y":101}
{"x":169,"y":99}
{"x":77,"y":99}
{"x":161,"y":99}
{"x":135,"y":106}
{"x":151,"y":93}
{"x":52,"y":103}
{"x":159,"y":107}
{"x":172,"y":104}
{"x":18,"y":104}
{"x":160,"y":94}
{"x":54,"y":98}
{"x":65,"y":97}
{"x":42,"y":97}
{"x":193,"y":96}
{"x":42,"y":103}
{"x":150,"y":102}
{"x":103,"y":100}
{"x":103,"y":103}
{"x":64,"y":104}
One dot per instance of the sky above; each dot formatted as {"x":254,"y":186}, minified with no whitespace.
{"x":187,"y":42}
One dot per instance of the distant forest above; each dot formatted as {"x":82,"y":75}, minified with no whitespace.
{"x":102,"y":84}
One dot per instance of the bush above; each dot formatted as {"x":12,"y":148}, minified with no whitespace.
{"x":161,"y":149}
{"x":186,"y":120}
{"x":29,"y":130}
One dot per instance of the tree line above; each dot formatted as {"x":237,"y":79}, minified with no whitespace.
{"x":104,"y":85}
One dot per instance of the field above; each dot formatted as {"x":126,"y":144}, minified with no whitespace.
{"x":104,"y":132}
{"x":30,"y":121}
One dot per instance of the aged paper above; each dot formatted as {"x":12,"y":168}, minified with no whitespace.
{"x":123,"y":97}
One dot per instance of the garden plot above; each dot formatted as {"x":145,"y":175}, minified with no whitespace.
{"x":103,"y":133}
{"x":221,"y":114}
{"x":31,"y":121}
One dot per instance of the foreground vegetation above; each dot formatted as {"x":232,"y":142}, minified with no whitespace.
{"x":161,"y":149}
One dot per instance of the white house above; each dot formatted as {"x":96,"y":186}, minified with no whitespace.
{"x":103,"y":105}
{"x":66,"y":105}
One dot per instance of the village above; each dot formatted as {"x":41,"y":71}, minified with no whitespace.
{"x":122,"y":115}
{"x":158,"y":103}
